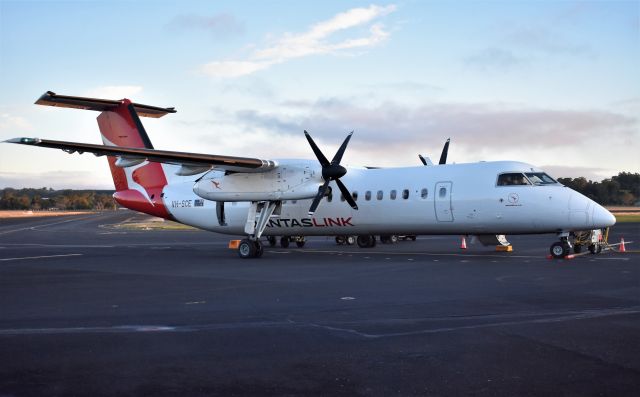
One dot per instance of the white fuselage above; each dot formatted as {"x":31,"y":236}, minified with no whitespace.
{"x":444,"y":199}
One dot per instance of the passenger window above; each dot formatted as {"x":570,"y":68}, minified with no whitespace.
{"x":442,"y":192}
{"x":367,"y":195}
{"x":392,"y":195}
{"x":512,"y":179}
{"x":424,"y":193}
{"x":355,"y":196}
{"x":380,"y":195}
{"x":405,"y":194}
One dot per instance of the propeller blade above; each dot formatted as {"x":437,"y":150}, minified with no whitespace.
{"x":319,"y":196}
{"x":422,"y":159}
{"x":445,"y":151}
{"x":346,"y":194}
{"x":338,"y":157}
{"x":316,"y":150}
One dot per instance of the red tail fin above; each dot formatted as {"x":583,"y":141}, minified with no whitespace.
{"x":138,"y":187}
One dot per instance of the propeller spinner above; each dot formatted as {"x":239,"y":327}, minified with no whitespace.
{"x":331,"y":171}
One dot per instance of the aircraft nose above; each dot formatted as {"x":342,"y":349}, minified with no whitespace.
{"x":602,"y":217}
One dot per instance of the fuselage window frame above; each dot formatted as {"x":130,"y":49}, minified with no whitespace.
{"x":512,"y":179}
{"x":405,"y":194}
{"x":392,"y":194}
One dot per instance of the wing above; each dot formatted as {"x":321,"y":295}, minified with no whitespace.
{"x":192,"y":163}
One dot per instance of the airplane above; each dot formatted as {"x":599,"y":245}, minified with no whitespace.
{"x":254,"y":197}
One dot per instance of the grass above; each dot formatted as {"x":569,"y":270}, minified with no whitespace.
{"x":627,"y":218}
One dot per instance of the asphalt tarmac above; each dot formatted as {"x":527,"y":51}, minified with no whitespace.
{"x":87,"y":309}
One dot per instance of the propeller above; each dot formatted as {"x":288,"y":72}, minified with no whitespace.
{"x":331,"y":171}
{"x":445,"y":151}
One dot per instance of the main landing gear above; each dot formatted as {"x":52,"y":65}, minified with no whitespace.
{"x":257,"y":219}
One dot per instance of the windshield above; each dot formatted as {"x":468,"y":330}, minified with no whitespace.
{"x":540,"y":178}
{"x":511,"y":179}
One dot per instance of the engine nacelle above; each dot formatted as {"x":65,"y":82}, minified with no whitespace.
{"x":293,"y":181}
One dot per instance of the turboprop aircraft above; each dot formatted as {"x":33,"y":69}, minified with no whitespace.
{"x":253,"y":197}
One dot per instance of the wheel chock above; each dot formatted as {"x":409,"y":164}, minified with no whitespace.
{"x":234,"y":244}
{"x":504,"y":248}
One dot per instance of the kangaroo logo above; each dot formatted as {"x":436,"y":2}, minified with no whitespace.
{"x":216,"y":184}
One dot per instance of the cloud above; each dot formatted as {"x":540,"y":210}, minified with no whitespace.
{"x":316,"y":40}
{"x":114,"y":91}
{"x":220,"y":25}
{"x":471,"y":124}
{"x":10,"y":122}
{"x":590,"y":173}
{"x":392,"y":134}
{"x":494,"y":59}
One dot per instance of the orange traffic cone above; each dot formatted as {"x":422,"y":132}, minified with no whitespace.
{"x":622,"y":249}
{"x":463,"y":244}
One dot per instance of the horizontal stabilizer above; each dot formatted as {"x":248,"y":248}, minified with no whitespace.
{"x":52,"y":99}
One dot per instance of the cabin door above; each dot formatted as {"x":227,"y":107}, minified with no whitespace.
{"x":442,"y":194}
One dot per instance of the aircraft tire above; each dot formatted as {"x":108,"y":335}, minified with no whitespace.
{"x":367,"y":241}
{"x":272,"y":241}
{"x":595,"y":248}
{"x":393,"y":239}
{"x":247,"y":249}
{"x":559,"y":250}
{"x":351,"y":240}
{"x":259,"y":249}
{"x":340,"y":240}
{"x":284,"y":242}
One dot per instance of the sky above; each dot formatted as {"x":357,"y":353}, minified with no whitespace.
{"x":551,"y":83}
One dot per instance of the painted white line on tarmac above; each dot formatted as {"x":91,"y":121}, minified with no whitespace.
{"x":38,"y":257}
{"x":45,"y":225}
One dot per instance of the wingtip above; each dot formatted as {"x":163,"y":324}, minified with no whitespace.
{"x":25,"y":141}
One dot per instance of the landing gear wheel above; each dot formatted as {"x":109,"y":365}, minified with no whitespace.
{"x":367,"y":241}
{"x":300,"y":243}
{"x":559,"y":250}
{"x":595,"y":248}
{"x":351,"y":240}
{"x":340,"y":240}
{"x":247,"y":249}
{"x":284,"y":242}
{"x":393,"y":239}
{"x":272,"y":241}
{"x":259,"y":249}
{"x":577,"y":248}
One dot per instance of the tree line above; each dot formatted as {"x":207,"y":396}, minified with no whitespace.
{"x":49,"y":199}
{"x":622,"y":189}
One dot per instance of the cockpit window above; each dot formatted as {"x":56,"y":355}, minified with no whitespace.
{"x":512,"y":178}
{"x":540,"y":178}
